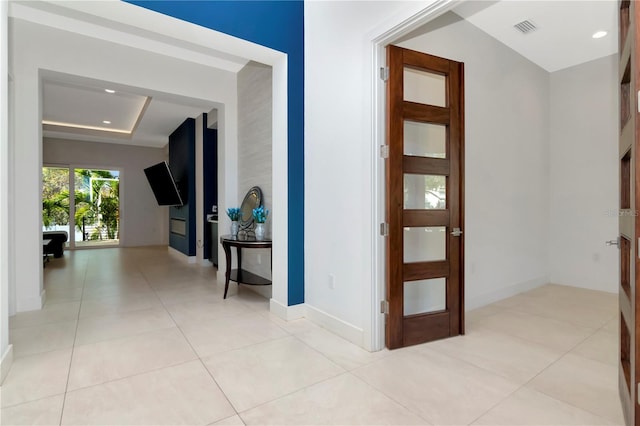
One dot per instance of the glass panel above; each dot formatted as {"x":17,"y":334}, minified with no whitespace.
{"x":625,"y":94}
{"x":425,"y":191}
{"x":425,"y":296}
{"x":425,"y":244}
{"x":425,"y":87}
{"x":625,"y":181}
{"x":55,"y":199}
{"x":625,"y":350}
{"x":97,"y":207}
{"x":425,"y":139}
{"x":625,"y":265}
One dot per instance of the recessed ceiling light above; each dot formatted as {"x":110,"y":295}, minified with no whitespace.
{"x":106,"y":121}
{"x":599,"y":34}
{"x":109,"y":91}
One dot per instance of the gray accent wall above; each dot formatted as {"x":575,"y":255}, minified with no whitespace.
{"x":142,"y":221}
{"x":254,"y":152}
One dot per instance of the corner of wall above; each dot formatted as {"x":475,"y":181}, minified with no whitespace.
{"x":337,"y":326}
{"x":5,"y":363}
{"x":287,"y":313}
{"x":505,"y":292}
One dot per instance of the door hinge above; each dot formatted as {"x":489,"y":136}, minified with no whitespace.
{"x":384,"y":151}
{"x":384,"y":229}
{"x":384,"y":307}
{"x":384,"y":73}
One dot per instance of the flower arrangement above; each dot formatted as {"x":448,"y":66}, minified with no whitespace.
{"x":234,"y":213}
{"x":260,"y":214}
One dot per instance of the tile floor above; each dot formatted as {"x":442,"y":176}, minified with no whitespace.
{"x":132,"y":336}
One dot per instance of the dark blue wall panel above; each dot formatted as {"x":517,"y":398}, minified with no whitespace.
{"x":210,"y":177}
{"x":182,"y":160}
{"x":278,"y":25}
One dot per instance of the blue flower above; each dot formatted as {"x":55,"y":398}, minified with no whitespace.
{"x":260,"y":214}
{"x":233,"y":213}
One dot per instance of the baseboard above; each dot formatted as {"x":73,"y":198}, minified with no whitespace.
{"x":181,"y":256}
{"x":5,"y":363}
{"x":335,"y":325}
{"x":31,"y":304}
{"x":611,"y":289}
{"x":287,"y":313}
{"x":503,"y":293}
{"x":321,"y":318}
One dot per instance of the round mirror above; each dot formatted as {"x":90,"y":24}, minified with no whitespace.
{"x":252,"y":200}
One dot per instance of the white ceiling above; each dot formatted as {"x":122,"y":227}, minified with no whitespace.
{"x":564,"y":28}
{"x":562,"y":39}
{"x":65,"y":105}
{"x":137,"y":117}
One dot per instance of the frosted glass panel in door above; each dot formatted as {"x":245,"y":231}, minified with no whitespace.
{"x":425,"y":191}
{"x":425,"y":296}
{"x":425,"y":244}
{"x":425,"y":139}
{"x":425,"y":87}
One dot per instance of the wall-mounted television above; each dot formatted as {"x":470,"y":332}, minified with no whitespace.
{"x":163,"y":185}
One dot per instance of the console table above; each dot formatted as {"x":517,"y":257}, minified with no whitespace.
{"x":242,"y":276}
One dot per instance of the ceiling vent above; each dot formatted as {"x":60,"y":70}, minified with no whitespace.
{"x":525,"y":27}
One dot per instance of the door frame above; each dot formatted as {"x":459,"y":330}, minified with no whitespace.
{"x":375,"y":335}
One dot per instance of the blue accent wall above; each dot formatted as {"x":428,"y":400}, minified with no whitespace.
{"x":182,"y":161}
{"x":280,"y":26}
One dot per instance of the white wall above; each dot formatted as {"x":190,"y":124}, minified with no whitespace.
{"x":584,"y":175}
{"x":339,"y":149}
{"x":254,"y":153}
{"x":507,"y":100}
{"x":5,"y":264}
{"x":142,"y":221}
{"x":36,"y":48}
{"x":506,"y":159}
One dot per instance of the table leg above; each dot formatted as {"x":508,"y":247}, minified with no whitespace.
{"x":227,"y":255}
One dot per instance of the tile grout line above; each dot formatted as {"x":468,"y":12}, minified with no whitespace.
{"x":391,"y":398}
{"x":250,"y":306}
{"x":198,"y":357}
{"x":288,"y":335}
{"x":292,"y":392}
{"x":73,"y":346}
{"x":562,"y":355}
{"x":524,"y":385}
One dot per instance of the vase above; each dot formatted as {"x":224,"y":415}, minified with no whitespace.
{"x":234,"y":228}
{"x":260,"y":231}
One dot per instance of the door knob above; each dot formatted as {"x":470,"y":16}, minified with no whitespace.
{"x":456,"y":232}
{"x":615,"y":242}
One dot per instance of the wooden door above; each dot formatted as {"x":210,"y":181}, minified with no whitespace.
{"x":629,"y":206}
{"x":424,"y":198}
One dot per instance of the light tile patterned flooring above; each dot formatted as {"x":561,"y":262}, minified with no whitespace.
{"x":132,"y":336}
